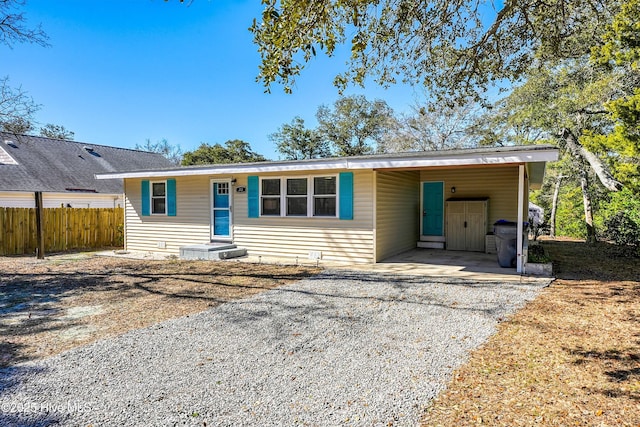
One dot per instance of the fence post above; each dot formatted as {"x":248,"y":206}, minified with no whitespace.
{"x":39,"y":226}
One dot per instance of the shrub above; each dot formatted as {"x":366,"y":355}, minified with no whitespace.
{"x":537,"y":254}
{"x":622,"y":229}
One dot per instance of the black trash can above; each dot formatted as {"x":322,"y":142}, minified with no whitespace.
{"x":506,"y":233}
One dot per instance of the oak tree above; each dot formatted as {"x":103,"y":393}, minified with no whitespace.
{"x":296,"y":142}
{"x":455,"y":48}
{"x":355,"y":126}
{"x":233,"y":151}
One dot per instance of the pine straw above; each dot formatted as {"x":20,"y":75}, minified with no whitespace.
{"x":53,"y":305}
{"x":569,"y":358}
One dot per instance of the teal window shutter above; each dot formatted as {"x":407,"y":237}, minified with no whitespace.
{"x":146,"y":199}
{"x":253,"y":193}
{"x":346,"y":195}
{"x":171,"y":197}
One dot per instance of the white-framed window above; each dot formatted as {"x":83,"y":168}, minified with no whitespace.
{"x":297,"y":200}
{"x":270,"y":201}
{"x":299,"y":196}
{"x":158,"y":197}
{"x":325,"y":191}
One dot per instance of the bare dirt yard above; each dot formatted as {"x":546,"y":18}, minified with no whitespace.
{"x":571,"y":357}
{"x":48,"y":306}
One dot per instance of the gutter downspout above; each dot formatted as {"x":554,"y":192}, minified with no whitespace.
{"x":519,"y":244}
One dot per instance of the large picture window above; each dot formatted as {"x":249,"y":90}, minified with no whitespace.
{"x":299,"y":196}
{"x":159,"y":198}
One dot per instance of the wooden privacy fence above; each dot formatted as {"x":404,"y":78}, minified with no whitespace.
{"x":64,"y":229}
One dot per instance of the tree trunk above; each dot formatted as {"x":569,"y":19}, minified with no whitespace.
{"x":588,"y":211}
{"x":554,"y":207}
{"x":579,"y":152}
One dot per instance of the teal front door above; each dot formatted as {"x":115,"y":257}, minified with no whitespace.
{"x":432,"y":208}
{"x":221,"y":210}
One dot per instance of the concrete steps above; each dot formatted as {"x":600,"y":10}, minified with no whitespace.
{"x":431,"y":242}
{"x":212,"y":251}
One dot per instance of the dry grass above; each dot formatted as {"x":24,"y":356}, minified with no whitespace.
{"x":569,"y":358}
{"x":53,"y":305}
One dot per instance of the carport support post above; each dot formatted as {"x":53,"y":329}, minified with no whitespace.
{"x":39,"y":226}
{"x":519,"y":241}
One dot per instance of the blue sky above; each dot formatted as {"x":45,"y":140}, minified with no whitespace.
{"x":121,"y":71}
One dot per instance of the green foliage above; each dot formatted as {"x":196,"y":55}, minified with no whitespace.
{"x":119,"y":238}
{"x":622,"y":38}
{"x":620,"y":53}
{"x":354,"y":125}
{"x":570,"y":215}
{"x":234,"y":151}
{"x":171,"y":152}
{"x":620,"y":146}
{"x":455,"y":48}
{"x":598,"y":105}
{"x":295,"y":142}
{"x":56,"y":132}
{"x":537,"y":254}
{"x":626,"y":111}
{"x":621,"y":210}
{"x":622,"y":229}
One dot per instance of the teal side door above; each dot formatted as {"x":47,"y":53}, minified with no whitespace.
{"x":432,"y":208}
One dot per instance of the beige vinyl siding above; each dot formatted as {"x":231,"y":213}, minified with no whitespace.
{"x":336,"y":239}
{"x":397,"y":212}
{"x":191,"y":225}
{"x":20,"y":199}
{"x":499,"y":184}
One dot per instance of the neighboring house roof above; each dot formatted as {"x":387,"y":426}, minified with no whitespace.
{"x":35,"y":163}
{"x":536,"y":155}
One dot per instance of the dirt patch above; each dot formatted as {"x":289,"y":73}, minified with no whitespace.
{"x":570,"y":357}
{"x":48,"y":306}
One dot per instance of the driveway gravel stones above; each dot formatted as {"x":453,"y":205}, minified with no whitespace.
{"x":340,"y":348}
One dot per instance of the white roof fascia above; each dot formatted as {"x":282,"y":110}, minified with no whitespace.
{"x":470,"y":159}
{"x":465,"y":160}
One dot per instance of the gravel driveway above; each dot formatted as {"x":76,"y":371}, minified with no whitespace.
{"x":341,"y":348}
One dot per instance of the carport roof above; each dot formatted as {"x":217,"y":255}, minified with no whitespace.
{"x":536,"y":155}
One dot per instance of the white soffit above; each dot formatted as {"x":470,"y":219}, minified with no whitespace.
{"x":386,"y":162}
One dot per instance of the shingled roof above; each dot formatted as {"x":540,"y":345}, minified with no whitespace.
{"x":35,"y":163}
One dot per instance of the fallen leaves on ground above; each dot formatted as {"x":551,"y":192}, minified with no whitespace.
{"x":571,"y":357}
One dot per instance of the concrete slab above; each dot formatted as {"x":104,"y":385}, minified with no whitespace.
{"x":443,"y":263}
{"x":427,"y":262}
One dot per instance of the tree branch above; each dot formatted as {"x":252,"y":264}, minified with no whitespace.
{"x":578,"y":151}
